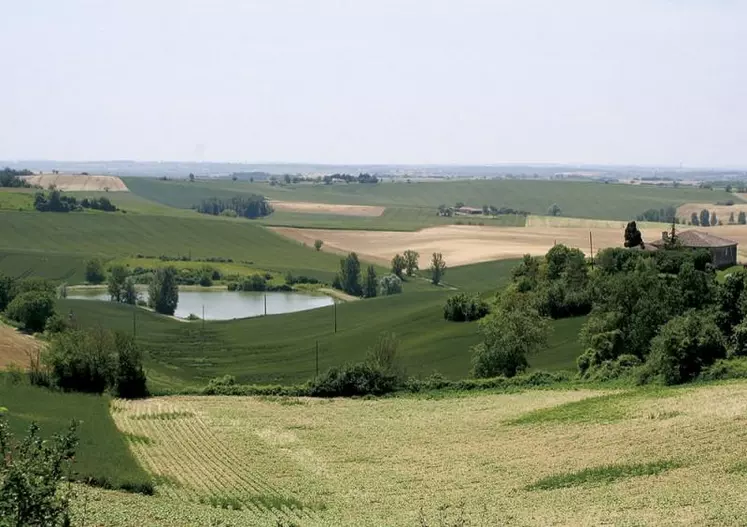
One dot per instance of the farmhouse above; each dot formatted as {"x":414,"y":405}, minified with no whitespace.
{"x":468,"y":210}
{"x":724,"y":251}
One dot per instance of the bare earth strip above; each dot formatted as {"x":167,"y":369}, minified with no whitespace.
{"x":15,"y":347}
{"x":467,"y":244}
{"x":76,"y":183}
{"x":326,"y":208}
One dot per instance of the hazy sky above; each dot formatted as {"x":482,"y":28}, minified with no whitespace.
{"x":389,"y":81}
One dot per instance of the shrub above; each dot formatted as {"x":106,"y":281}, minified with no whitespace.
{"x":353,"y":379}
{"x":318,"y":245}
{"x":254,"y":282}
{"x":129,"y":380}
{"x":31,"y":475}
{"x":464,"y":308}
{"x":684,"y":346}
{"x":725,"y":369}
{"x":55,"y":324}
{"x":31,"y":309}
{"x":390,"y":285}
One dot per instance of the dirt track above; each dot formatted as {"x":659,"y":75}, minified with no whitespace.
{"x":15,"y":347}
{"x":76,"y":183}
{"x":326,"y":208}
{"x":462,"y":244}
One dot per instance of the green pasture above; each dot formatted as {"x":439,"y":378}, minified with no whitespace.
{"x":102,"y":454}
{"x":16,"y":200}
{"x":111,"y":235}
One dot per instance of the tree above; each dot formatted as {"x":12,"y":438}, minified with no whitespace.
{"x":82,"y":361}
{"x":318,"y":245}
{"x":714,"y":219}
{"x":731,"y":219}
{"x":32,"y":473}
{"x":129,"y":293}
{"x":742,"y":218}
{"x":390,"y":285}
{"x":371,"y":285}
{"x":398,"y":265}
{"x":485,"y":210}
{"x":411,"y":262}
{"x":117,"y":278}
{"x":129,"y":381}
{"x":438,"y":268}
{"x":509,"y":334}
{"x":633,"y":236}
{"x":728,"y":188}
{"x":95,"y":271}
{"x":350,"y":273}
{"x":287,"y":179}
{"x":31,"y":309}
{"x":554,"y":210}
{"x":163,"y":291}
{"x":191,"y":177}
{"x":684,"y":346}
{"x":7,"y":291}
{"x":465,"y":308}
{"x":694,"y":219}
{"x":705,"y":218}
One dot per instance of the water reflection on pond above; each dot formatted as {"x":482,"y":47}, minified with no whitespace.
{"x":225,"y":305}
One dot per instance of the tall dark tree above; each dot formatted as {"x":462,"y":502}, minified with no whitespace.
{"x":411,"y":262}
{"x":742,"y":218}
{"x":117,"y":279}
{"x":694,"y":219}
{"x":732,"y":221}
{"x":371,"y":286}
{"x":398,"y":265}
{"x":705,"y":218}
{"x":350,"y":275}
{"x":633,"y":237}
{"x":95,"y":271}
{"x":163,"y":292}
{"x":438,"y":268}
{"x":714,"y":219}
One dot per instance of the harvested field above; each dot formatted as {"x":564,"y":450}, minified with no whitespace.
{"x":722,"y":211}
{"x":462,"y":245}
{"x":577,"y":457}
{"x":78,"y":183}
{"x":16,"y":348}
{"x":553,"y":222}
{"x":326,"y":208}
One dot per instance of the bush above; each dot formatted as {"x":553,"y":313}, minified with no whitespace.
{"x":465,"y":308}
{"x":82,"y":361}
{"x":129,"y":380}
{"x":32,"y":472}
{"x":725,"y":369}
{"x":684,"y":346}
{"x":55,"y":324}
{"x":353,"y":379}
{"x":31,"y":309}
{"x":390,"y":285}
{"x":255,"y":282}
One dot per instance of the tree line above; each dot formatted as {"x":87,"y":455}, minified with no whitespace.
{"x":12,"y":178}
{"x":252,"y":206}
{"x":55,"y":201}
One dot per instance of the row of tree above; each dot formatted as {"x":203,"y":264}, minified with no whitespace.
{"x":252,"y":206}
{"x":706,"y":219}
{"x":55,"y":201}
{"x":12,"y":178}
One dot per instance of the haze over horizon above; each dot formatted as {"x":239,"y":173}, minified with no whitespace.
{"x":388,"y":82}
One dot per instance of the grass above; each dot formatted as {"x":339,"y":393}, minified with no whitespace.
{"x":281,"y":349}
{"x":481,"y":277}
{"x":605,"y":474}
{"x":576,"y":199}
{"x":102,"y":454}
{"x":60,"y":267}
{"x":395,"y":461}
{"x":16,"y":200}
{"x":38,"y":235}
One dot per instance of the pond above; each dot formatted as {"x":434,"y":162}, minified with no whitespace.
{"x":226,"y":305}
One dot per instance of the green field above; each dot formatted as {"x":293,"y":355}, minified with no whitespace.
{"x":640,"y":457}
{"x":60,"y":267}
{"x":16,"y":200}
{"x":102,"y":454}
{"x":280,"y":349}
{"x":116,"y":234}
{"x":576,"y":199}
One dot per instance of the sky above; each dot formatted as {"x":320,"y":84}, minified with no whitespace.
{"x":647,"y":82}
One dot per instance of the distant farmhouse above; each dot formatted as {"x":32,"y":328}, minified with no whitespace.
{"x":468,"y":210}
{"x":724,"y":251}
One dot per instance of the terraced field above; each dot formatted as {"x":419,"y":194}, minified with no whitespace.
{"x":577,"y":457}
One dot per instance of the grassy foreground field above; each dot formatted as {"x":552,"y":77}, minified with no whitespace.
{"x":102,"y":454}
{"x":582,"y":200}
{"x":542,"y":457}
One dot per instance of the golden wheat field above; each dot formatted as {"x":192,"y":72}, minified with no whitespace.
{"x":541,"y":457}
{"x":78,"y":182}
{"x":327,"y":208}
{"x":16,"y":348}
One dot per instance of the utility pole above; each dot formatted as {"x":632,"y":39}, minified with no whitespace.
{"x":591,"y":250}
{"x":335,"y":301}
{"x":317,"y":358}
{"x":265,"y":304}
{"x":134,"y":322}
